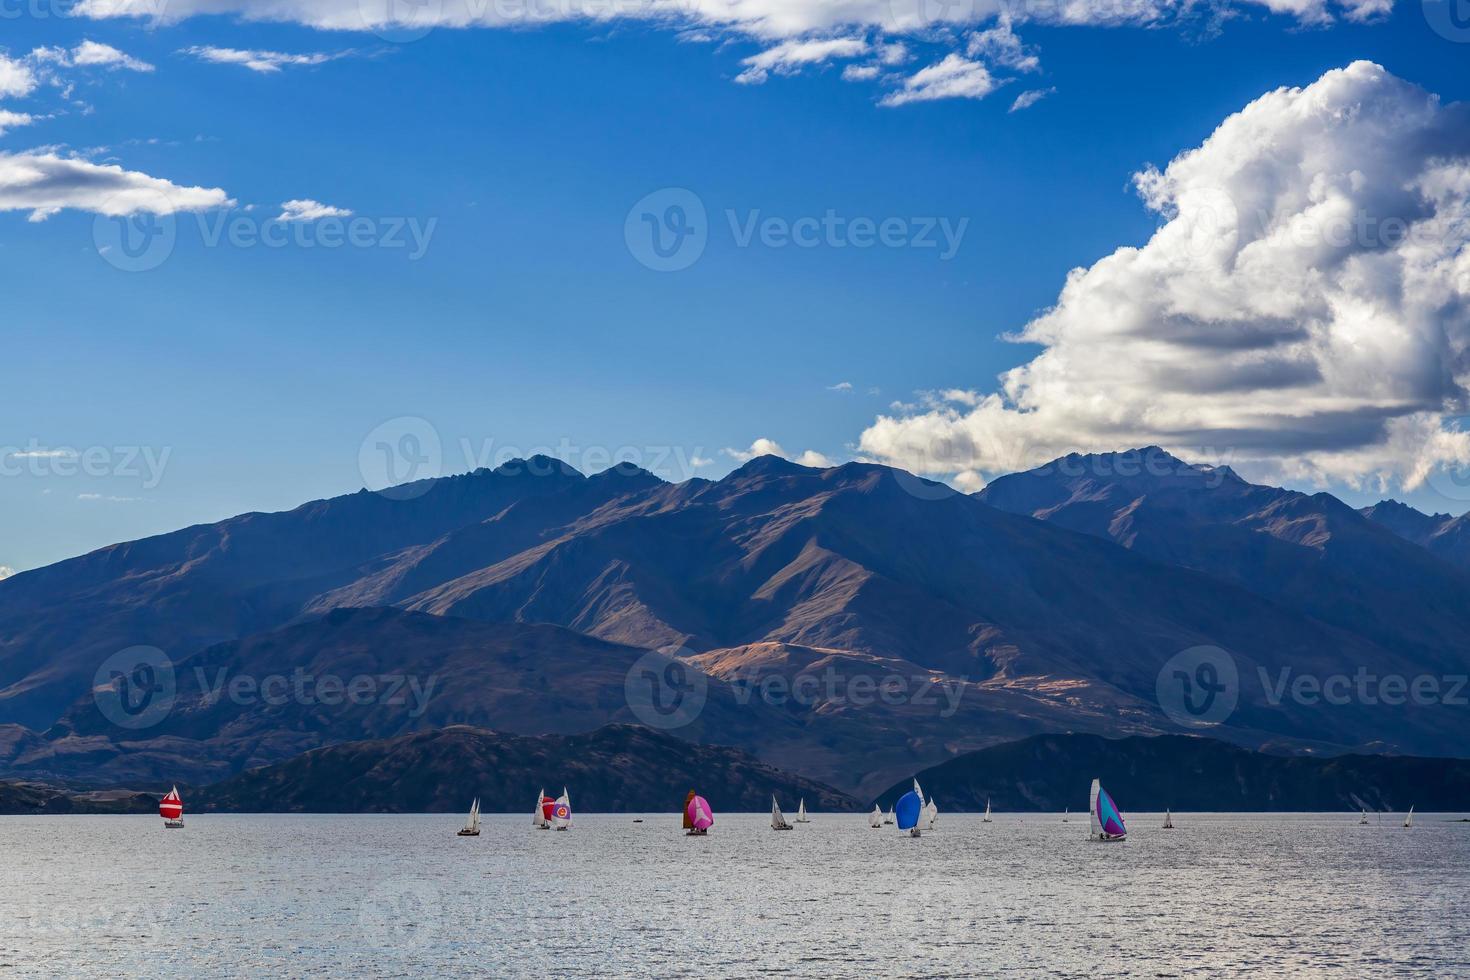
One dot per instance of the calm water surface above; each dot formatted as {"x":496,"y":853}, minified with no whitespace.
{"x":388,"y":896}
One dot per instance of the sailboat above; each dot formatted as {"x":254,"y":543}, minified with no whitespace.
{"x":1363,"y":822}
{"x":1168,"y":819}
{"x":1409,"y":820}
{"x":931,"y":815}
{"x":171,"y":809}
{"x":888,"y":820}
{"x":697,"y":816}
{"x":472,"y":823}
{"x":986,"y":818}
{"x":1066,"y":812}
{"x":1107,"y":822}
{"x":801,"y":811}
{"x":778,"y":819}
{"x":875,"y":819}
{"x":541,"y":815}
{"x":909,"y":812}
{"x":561,"y":812}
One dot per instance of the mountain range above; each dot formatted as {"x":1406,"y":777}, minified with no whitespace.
{"x":522,"y":600}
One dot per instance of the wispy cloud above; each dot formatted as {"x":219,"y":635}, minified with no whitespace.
{"x":1028,"y":99}
{"x":791,"y":56}
{"x":44,"y":183}
{"x":265,"y":62}
{"x":956,"y":77}
{"x":840,"y":386}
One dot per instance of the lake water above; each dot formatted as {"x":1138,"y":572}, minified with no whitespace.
{"x":387,"y":896}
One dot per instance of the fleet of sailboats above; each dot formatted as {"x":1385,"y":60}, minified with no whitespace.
{"x":171,"y":809}
{"x":472,"y":823}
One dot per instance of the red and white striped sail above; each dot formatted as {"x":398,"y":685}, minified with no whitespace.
{"x":171,"y":807}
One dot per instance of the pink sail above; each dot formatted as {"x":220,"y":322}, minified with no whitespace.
{"x":698,"y":812}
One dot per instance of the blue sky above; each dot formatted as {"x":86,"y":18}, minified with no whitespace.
{"x":526,"y":323}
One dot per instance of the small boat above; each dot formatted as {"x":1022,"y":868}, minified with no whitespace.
{"x":561,"y":812}
{"x":909,"y":812}
{"x":1168,"y":819}
{"x":1363,"y":822}
{"x":637,"y":819}
{"x":778,"y":819}
{"x":1409,"y":820}
{"x":888,"y":820}
{"x":1066,"y":812}
{"x":801,"y":816}
{"x":541,"y":815}
{"x":472,"y":823}
{"x":986,"y":818}
{"x":697,"y":816}
{"x":931,"y":815}
{"x":875,"y":819}
{"x":1107,"y":822}
{"x":171,"y":809}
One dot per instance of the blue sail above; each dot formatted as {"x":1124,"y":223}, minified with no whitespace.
{"x":907,"y":810}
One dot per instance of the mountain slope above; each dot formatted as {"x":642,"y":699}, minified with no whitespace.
{"x":619,"y":769}
{"x":1312,"y":553}
{"x":1053,"y":772}
{"x":1444,"y":535}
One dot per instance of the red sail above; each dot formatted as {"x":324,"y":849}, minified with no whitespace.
{"x":546,"y":804}
{"x":171,"y":807}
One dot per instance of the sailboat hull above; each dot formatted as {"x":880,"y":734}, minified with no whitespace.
{"x":468,"y":833}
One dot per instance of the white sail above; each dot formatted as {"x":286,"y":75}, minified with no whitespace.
{"x":472,"y":822}
{"x":889,"y":819}
{"x":919,"y":790}
{"x":1363,"y":820}
{"x":931,"y":815}
{"x":801,"y":816}
{"x":778,"y":819}
{"x":1168,"y":819}
{"x":1409,"y":820}
{"x":1092,"y":808}
{"x":538,"y":819}
{"x":1066,"y":812}
{"x":561,"y":813}
{"x":987,"y":810}
{"x":875,"y":819}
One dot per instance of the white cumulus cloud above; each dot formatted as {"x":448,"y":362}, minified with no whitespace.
{"x":770,"y":447}
{"x":1303,"y":306}
{"x":43,"y":183}
{"x":6,"y":571}
{"x":308,"y":210}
